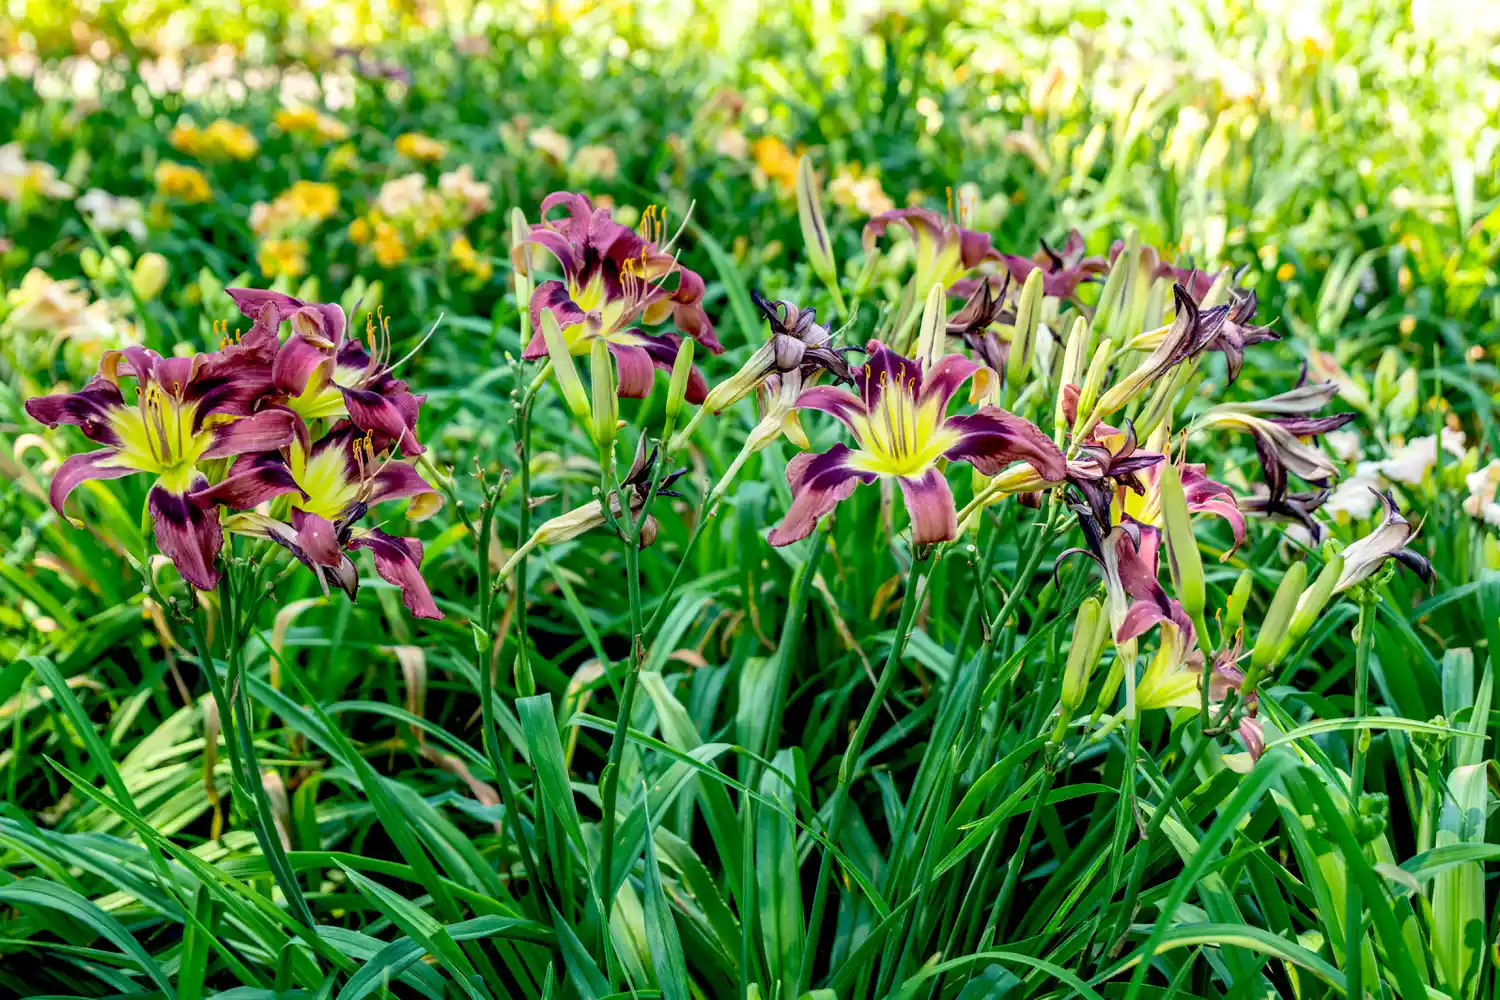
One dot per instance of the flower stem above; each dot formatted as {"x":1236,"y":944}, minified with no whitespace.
{"x":1362,"y":645}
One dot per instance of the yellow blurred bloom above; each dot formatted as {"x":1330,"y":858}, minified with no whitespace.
{"x":360,"y":231}
{"x":1286,"y":272}
{"x":185,"y":138}
{"x":312,"y":199}
{"x":425,"y":149}
{"x":389,"y":250}
{"x":776,"y":161}
{"x":344,"y":157}
{"x":222,"y":140}
{"x":852,"y":188}
{"x":185,"y":183}
{"x":282,"y":257}
{"x":466,"y":258}
{"x":311,"y":122}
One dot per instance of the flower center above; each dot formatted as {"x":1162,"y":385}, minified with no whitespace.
{"x":902,"y":437}
{"x":158,"y":436}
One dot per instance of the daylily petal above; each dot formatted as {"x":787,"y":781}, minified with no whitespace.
{"x":819,"y":483}
{"x":929,"y":503}
{"x":663,"y":350}
{"x":944,"y":378}
{"x":396,"y":480}
{"x":318,"y":537}
{"x":296,"y":362}
{"x":89,"y":409}
{"x":265,"y":431}
{"x":187,"y":534}
{"x":992,"y":438}
{"x":551,"y":295}
{"x":394,"y":416}
{"x":252,"y":480}
{"x":634,"y":369}
{"x":77,"y":469}
{"x":398,"y":561}
{"x":883,"y":368}
{"x":841,"y":403}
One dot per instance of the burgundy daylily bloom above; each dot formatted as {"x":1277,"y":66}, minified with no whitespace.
{"x":901,"y":428}
{"x":331,"y":487}
{"x":324,"y":373}
{"x":984,"y":306}
{"x":1101,"y":469}
{"x":945,"y":250}
{"x":1228,"y":678}
{"x":1130,"y":555}
{"x":1063,"y":272}
{"x":612,"y":279}
{"x":1196,"y":280}
{"x":186,"y":412}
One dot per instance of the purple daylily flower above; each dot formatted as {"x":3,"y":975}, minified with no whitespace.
{"x":901,"y":428}
{"x":945,"y":250}
{"x":1062,"y":272}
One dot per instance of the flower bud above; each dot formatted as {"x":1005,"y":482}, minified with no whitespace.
{"x":149,"y":276}
{"x":90,"y":260}
{"x":933,"y":331}
{"x":1278,"y":615}
{"x":1125,"y":654}
{"x":606,"y":406}
{"x":563,"y":368}
{"x":815,"y":230}
{"x":682,"y":367}
{"x":1112,"y":298}
{"x":1083,"y":654}
{"x":1387,"y":372}
{"x":1234,"y":611}
{"x":1402,"y":409}
{"x":1071,"y":374}
{"x":1182,"y":546}
{"x":1312,"y":603}
{"x":520,"y":251}
{"x":1089,"y":393}
{"x":1028,"y":318}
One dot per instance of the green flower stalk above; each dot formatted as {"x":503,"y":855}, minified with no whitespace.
{"x":815,"y":233}
{"x":1273,"y":627}
{"x":1182,"y":550}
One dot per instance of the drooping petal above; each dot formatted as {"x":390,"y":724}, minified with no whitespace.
{"x":314,"y":320}
{"x":252,"y":480}
{"x":992,"y":438}
{"x":394,"y":416}
{"x":929,"y":502}
{"x":634,"y":369}
{"x":187,"y":534}
{"x":1140,"y":618}
{"x":318,"y":537}
{"x":819,"y":483}
{"x":398,"y":561}
{"x":265,"y":431}
{"x":89,"y":409}
{"x":77,"y":469}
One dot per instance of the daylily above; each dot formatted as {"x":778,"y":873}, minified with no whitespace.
{"x":798,"y":343}
{"x":1130,"y":555}
{"x":1227,"y":678}
{"x":1196,"y":280}
{"x":1063,"y":272}
{"x":612,"y":279}
{"x":1204,"y":496}
{"x":945,"y":250}
{"x":984,"y":306}
{"x":1387,"y":541}
{"x":1237,"y":332}
{"x":900,"y":424}
{"x":1191,"y":332}
{"x":186,"y":412}
{"x":1109,"y":463}
{"x":1284,"y":426}
{"x":325,"y":374}
{"x":331,"y":485}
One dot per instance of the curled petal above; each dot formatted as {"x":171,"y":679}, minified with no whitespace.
{"x":187,"y":533}
{"x":392,"y":416}
{"x":663,"y":353}
{"x":1139,"y":619}
{"x":398,"y":561}
{"x":992,"y":438}
{"x":252,"y":480}
{"x":296,"y":362}
{"x":819,"y":483}
{"x":77,"y":469}
{"x":635,"y":371}
{"x":929,"y":502}
{"x":318,"y":537}
{"x":396,"y":480}
{"x":89,"y":409}
{"x":265,"y":431}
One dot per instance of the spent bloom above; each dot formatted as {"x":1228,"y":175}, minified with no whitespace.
{"x":1062,"y":271}
{"x":902,"y":430}
{"x":1388,"y":541}
{"x":614,"y":278}
{"x":112,"y":214}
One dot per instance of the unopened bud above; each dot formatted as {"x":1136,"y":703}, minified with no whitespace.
{"x":606,"y":406}
{"x":520,"y":254}
{"x":933,"y":330}
{"x":89,"y":260}
{"x":1278,"y":615}
{"x":1312,"y":603}
{"x":815,"y":230}
{"x":1071,"y":374}
{"x":1088,"y":395}
{"x":1234,"y":611}
{"x":1112,"y":298}
{"x":1028,"y":319}
{"x":1125,"y":654}
{"x":1182,"y":545}
{"x":1083,"y":655}
{"x":1387,"y":373}
{"x":682,"y":367}
{"x":149,"y":276}
{"x":563,"y":368}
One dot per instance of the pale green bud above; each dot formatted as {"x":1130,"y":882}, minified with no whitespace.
{"x":1089,"y":394}
{"x":1278,"y":616}
{"x":1234,"y":611}
{"x":564,"y":369}
{"x":606,"y":406}
{"x":814,"y":229}
{"x":1071,"y":373}
{"x":1028,"y":319}
{"x":682,"y":367}
{"x":1083,"y":655}
{"x":1312,"y":603}
{"x":1182,"y":545}
{"x":90,"y":260}
{"x":1387,"y":374}
{"x":149,"y":276}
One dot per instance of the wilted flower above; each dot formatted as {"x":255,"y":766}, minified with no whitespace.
{"x":1237,"y":332}
{"x":419,"y":147}
{"x":1284,"y":427}
{"x":20,"y":177}
{"x":945,"y":250}
{"x":325,"y":374}
{"x":1063,"y":272}
{"x":1107,"y":462}
{"x":330,"y":486}
{"x":1387,"y":541}
{"x":111,"y":214}
{"x":187,"y":411}
{"x":798,"y":343}
{"x":613,"y":278}
{"x":1191,"y":332}
{"x":899,"y":421}
{"x":186,"y":184}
